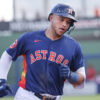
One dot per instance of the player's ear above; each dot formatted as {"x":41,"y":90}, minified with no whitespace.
{"x":50,"y":17}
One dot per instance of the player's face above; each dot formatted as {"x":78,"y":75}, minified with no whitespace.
{"x":59,"y":24}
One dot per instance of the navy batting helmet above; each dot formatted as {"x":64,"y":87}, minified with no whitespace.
{"x":63,"y":10}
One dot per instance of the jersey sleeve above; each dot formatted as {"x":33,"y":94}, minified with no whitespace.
{"x":17,"y":48}
{"x":78,"y":59}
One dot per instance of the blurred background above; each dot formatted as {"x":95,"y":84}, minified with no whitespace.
{"x":20,"y":16}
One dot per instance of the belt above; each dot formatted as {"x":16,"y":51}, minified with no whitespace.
{"x":44,"y":97}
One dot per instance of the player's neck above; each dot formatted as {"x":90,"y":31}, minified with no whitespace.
{"x":51,"y":34}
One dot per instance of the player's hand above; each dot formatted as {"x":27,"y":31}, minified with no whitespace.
{"x":64,"y":71}
{"x":4,"y":88}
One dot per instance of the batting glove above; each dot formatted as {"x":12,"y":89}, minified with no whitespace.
{"x":64,"y":71}
{"x":4,"y":88}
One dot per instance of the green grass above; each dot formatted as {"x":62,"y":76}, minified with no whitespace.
{"x":7,"y":98}
{"x":95,"y":97}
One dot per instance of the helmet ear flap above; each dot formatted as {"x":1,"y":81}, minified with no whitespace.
{"x":72,"y":23}
{"x":70,"y":29}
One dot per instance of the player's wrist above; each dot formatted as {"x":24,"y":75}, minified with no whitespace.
{"x":73,"y":77}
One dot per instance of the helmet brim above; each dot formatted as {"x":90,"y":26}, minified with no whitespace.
{"x":64,"y":15}
{"x":67,"y":16}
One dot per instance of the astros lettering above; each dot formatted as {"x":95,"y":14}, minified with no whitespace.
{"x":42,"y":54}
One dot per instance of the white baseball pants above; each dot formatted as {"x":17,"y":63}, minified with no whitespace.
{"x":23,"y":94}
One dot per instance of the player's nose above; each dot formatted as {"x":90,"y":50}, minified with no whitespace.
{"x":65,"y":24}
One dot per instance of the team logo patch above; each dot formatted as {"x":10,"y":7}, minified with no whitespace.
{"x":14,"y":44}
{"x":70,"y":11}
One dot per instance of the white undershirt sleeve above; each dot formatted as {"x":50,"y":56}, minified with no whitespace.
{"x":5,"y":64}
{"x":82,"y":72}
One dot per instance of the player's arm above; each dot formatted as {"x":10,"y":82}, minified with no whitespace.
{"x":77,"y":67}
{"x":76,"y":78}
{"x":11,"y":54}
{"x":82,"y":76}
{"x":5,"y":64}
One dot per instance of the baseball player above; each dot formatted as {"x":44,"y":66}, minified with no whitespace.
{"x":50,"y":58}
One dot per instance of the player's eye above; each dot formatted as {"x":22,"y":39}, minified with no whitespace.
{"x":68,"y":22}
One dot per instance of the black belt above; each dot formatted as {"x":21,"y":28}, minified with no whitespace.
{"x":44,"y":97}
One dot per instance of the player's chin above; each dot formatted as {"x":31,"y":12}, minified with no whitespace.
{"x":60,"y":33}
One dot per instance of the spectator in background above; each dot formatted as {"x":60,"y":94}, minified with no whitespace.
{"x":90,"y":73}
{"x":96,"y":12}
